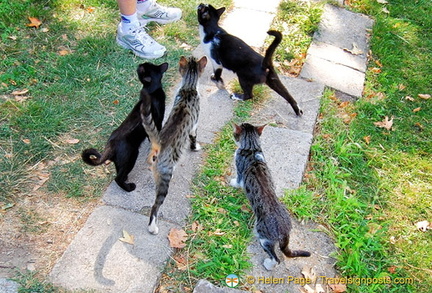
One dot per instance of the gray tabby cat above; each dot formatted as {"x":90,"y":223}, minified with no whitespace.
{"x":180,"y":127}
{"x":272,"y":221}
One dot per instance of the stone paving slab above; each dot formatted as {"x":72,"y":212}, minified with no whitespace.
{"x":277,"y":110}
{"x":8,"y":286}
{"x":336,"y":76}
{"x":256,"y":31}
{"x":305,"y":237}
{"x":96,"y":259}
{"x":338,"y":54}
{"x":342,"y":28}
{"x":204,"y":286}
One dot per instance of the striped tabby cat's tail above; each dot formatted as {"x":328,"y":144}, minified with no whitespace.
{"x":149,"y":125}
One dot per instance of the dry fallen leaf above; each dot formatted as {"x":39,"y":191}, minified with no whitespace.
{"x":309,"y":273}
{"x":376,"y":70}
{"x":355,"y":50}
{"x":20,"y":92}
{"x":338,"y":288}
{"x":196,"y":226}
{"x":417,"y":109}
{"x":218,"y":232}
{"x":423,"y":225}
{"x":127,"y":238}
{"x":26,"y":141}
{"x":386,"y":123}
{"x":409,"y":98}
{"x":181,"y":262}
{"x":177,"y":238}
{"x":401,"y":87}
{"x":73,"y":141}
{"x":34,"y":22}
{"x":367,"y":139}
{"x":319,"y":288}
{"x":307,"y":289}
{"x":392,"y":269}
{"x":424,"y":96}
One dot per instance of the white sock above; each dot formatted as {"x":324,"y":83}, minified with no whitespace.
{"x":144,"y":5}
{"x":129,"y":22}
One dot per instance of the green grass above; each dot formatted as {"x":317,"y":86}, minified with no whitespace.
{"x":83,"y":94}
{"x":371,"y":185}
{"x":297,"y":21}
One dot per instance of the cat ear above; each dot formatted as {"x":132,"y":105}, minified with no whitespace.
{"x":163,"y":67}
{"x":260,"y":129}
{"x":140,"y":70}
{"x":182,"y":65}
{"x":220,"y":11}
{"x":237,"y":129}
{"x":202,"y":63}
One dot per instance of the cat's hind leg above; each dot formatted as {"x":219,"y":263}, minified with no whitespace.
{"x":162,"y":185}
{"x":275,"y":84}
{"x":216,"y":77}
{"x":124,"y":165}
{"x":194,"y":145}
{"x":268,"y":246}
{"x":247,"y":87}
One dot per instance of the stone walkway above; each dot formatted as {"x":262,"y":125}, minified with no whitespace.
{"x":97,"y":260}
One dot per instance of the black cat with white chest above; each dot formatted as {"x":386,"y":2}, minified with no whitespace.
{"x":230,"y":52}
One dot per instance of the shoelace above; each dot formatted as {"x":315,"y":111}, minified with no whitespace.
{"x":143,"y":35}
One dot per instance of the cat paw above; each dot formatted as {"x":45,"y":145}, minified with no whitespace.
{"x":299,"y":112}
{"x":269,"y":264}
{"x":196,"y":147}
{"x":153,"y":228}
{"x":219,"y":82}
{"x":234,"y":183}
{"x":236,"y":97}
{"x":127,"y":186}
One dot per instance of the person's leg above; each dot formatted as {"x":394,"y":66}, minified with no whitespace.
{"x":149,"y":10}
{"x":131,"y":35}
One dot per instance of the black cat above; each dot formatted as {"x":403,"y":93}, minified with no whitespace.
{"x":234,"y":54}
{"x":123,"y":145}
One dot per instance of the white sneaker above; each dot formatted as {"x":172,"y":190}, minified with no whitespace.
{"x":140,"y":43}
{"x":159,"y":14}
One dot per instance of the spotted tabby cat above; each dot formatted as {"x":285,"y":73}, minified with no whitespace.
{"x":181,"y":126}
{"x":272,"y":223}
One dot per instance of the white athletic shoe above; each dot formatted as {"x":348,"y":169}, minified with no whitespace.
{"x":159,"y":14}
{"x":140,"y":43}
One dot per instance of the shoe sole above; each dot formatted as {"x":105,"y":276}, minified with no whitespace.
{"x":141,"y":55}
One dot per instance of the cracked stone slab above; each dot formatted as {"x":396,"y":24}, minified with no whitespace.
{"x":340,"y":56}
{"x":339,"y":77}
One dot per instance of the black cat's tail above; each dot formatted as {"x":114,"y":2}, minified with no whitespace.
{"x":94,"y":158}
{"x":150,"y":125}
{"x":267,"y":61}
